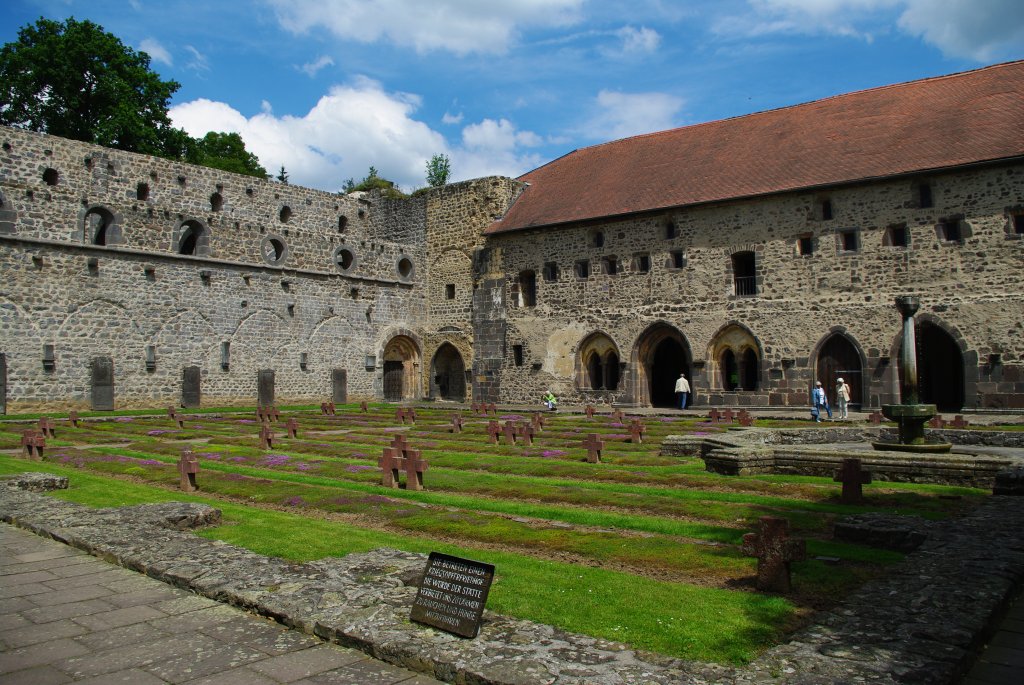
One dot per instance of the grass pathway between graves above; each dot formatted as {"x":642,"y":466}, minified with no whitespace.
{"x":677,"y":619}
{"x":640,"y":548}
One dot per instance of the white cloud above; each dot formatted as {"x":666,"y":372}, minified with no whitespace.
{"x":458,"y":26}
{"x":358,"y":125}
{"x":449,"y":118}
{"x":198,"y":62}
{"x":982,"y":30}
{"x":312,"y":68}
{"x":156,"y":51}
{"x":495,"y":147}
{"x":641,"y":40}
{"x":620,"y":115}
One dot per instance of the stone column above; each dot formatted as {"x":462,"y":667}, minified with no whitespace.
{"x":908,"y":306}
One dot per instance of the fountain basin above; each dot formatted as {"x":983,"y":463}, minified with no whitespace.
{"x":910,"y":419}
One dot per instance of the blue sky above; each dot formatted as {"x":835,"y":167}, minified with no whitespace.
{"x":329,"y":87}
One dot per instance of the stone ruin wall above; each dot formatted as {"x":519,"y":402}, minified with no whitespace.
{"x":136,"y":296}
{"x":972,"y":289}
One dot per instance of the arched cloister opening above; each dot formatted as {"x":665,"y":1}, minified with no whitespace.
{"x":839,"y":357}
{"x":597,"y":363}
{"x":737,"y":354}
{"x":401,"y":362}
{"x":940,"y":367}
{"x":662,"y":353}
{"x":448,"y":372}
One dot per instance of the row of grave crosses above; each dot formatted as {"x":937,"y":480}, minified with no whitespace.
{"x":484,"y":409}
{"x":329,"y":409}
{"x":744,"y":417}
{"x":400,"y":457}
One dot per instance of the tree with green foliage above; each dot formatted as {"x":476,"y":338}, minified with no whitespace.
{"x":75,"y":80}
{"x":282,"y":176}
{"x":373,"y":181}
{"x":225,"y":151}
{"x":439,"y":170}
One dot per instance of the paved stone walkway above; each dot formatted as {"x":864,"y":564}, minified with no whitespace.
{"x":66,"y":616}
{"x":1002,"y":660}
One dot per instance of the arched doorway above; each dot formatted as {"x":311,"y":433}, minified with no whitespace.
{"x":448,"y":372}
{"x":940,"y":368}
{"x":662,"y":353}
{"x":839,"y":358}
{"x":401,"y":362}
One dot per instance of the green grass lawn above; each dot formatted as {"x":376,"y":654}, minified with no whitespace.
{"x":640,"y":548}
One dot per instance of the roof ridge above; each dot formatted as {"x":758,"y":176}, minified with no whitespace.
{"x":828,"y":98}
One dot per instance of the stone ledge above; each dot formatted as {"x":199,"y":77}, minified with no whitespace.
{"x":919,"y":624}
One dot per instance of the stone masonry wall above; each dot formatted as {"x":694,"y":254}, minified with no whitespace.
{"x":969,"y":288}
{"x":291,"y":307}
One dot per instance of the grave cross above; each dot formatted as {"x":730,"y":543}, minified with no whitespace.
{"x":852,"y":475}
{"x":538,"y":421}
{"x":589,"y":409}
{"x":188,"y":467}
{"x":403,"y":413}
{"x":457,"y":423}
{"x":273,"y":414}
{"x":875,"y":418}
{"x":293,"y":428}
{"x":390,"y":463}
{"x":526,"y":433}
{"x":616,"y":416}
{"x":958,"y":422}
{"x":937,"y":421}
{"x":727,"y":416}
{"x":475,"y":408}
{"x":636,"y":431}
{"x":509,"y":431}
{"x":261,"y":413}
{"x":323,"y":408}
{"x":714,"y":416}
{"x":266,"y":437}
{"x":745,"y":418}
{"x":47,"y":426}
{"x":491,"y":408}
{"x":493,"y":430}
{"x":171,"y":410}
{"x":178,"y":419}
{"x":594,"y":446}
{"x":33,"y":442}
{"x":414,"y":468}
{"x":774,"y":550}
{"x":73,"y":418}
{"x":362,"y":407}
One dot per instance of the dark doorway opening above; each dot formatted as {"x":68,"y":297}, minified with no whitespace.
{"x":449,"y":374}
{"x":265,"y":387}
{"x":667,"y":362}
{"x":394,"y":371}
{"x":837,"y":359}
{"x":339,"y":386}
{"x":191,"y":380}
{"x":3,"y":383}
{"x":940,"y":368}
{"x":101,"y":369}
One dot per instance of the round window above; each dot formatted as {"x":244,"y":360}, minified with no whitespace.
{"x":344,"y":259}
{"x":405,"y":268}
{"x":273,"y":249}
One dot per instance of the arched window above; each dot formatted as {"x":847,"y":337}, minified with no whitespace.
{"x":737,"y":354}
{"x":598,"y":364}
{"x":730,"y":371}
{"x":193,"y":238}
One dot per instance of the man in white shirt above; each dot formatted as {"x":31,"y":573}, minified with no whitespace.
{"x":682,"y":390}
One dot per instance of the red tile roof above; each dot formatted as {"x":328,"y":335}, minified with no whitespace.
{"x":975,"y":116}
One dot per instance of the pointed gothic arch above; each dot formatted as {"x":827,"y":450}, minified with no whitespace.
{"x":839,"y":356}
{"x":735,"y":356}
{"x":401,"y":369}
{"x":661,"y":353}
{"x":597,"y":363}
